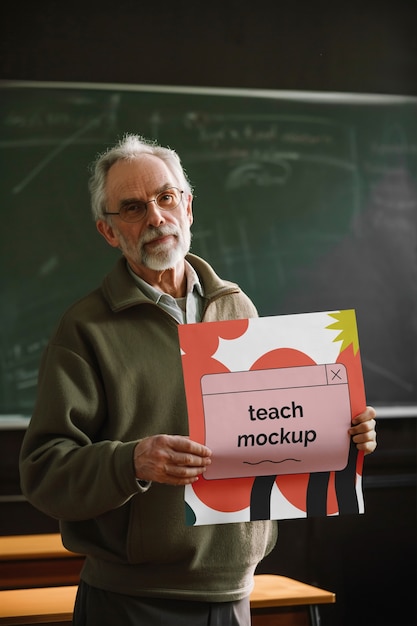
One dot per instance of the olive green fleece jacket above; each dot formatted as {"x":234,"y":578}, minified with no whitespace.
{"x":110,"y":376}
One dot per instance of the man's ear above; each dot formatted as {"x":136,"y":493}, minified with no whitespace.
{"x":189,"y":209}
{"x":106,"y":229}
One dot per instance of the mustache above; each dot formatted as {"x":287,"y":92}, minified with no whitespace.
{"x":154,"y":232}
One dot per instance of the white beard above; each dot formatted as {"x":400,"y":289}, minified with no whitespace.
{"x":165,"y":255}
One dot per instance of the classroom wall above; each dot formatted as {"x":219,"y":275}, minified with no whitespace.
{"x":360,"y":47}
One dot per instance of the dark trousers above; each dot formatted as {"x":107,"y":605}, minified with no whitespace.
{"x":96,"y":607}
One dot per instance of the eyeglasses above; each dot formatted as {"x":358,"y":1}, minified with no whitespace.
{"x":134,"y":211}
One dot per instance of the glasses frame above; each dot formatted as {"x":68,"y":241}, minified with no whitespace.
{"x":146,"y":206}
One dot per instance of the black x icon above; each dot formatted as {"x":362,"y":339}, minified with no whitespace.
{"x":336,"y":375}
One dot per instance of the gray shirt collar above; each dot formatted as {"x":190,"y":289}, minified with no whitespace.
{"x":184,"y":310}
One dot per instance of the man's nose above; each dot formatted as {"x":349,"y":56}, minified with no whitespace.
{"x":154,"y":214}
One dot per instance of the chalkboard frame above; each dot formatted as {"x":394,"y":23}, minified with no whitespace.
{"x":222,"y":119}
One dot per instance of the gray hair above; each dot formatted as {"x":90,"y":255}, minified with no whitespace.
{"x":128,"y":148}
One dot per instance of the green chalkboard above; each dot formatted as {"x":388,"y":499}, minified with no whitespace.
{"x":307,"y":200}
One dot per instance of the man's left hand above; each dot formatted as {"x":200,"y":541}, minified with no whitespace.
{"x":363,"y":431}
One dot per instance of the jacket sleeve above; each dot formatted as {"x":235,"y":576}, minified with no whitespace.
{"x":67,"y":470}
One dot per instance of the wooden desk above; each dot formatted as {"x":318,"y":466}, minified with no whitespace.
{"x":37,"y":561}
{"x":281,"y":601}
{"x":275,"y":600}
{"x":44,"y":605}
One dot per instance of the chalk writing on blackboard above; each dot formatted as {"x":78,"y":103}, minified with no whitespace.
{"x":308,"y":201}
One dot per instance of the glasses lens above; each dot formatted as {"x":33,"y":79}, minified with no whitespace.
{"x":133,"y":212}
{"x":168,"y":199}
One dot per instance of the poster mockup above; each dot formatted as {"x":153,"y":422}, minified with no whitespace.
{"x":273,"y":398}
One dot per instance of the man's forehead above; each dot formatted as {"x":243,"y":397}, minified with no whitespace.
{"x":147,"y":173}
{"x":140,"y":166}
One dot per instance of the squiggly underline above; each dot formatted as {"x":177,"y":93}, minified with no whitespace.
{"x":269,"y":461}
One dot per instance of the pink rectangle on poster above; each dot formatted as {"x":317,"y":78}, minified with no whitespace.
{"x":277,"y":421}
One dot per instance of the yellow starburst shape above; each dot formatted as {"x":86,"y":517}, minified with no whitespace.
{"x":346,"y":323}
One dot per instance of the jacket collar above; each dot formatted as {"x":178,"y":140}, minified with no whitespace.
{"x":121,"y":291}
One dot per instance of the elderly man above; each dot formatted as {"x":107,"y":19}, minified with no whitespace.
{"x":106,"y":451}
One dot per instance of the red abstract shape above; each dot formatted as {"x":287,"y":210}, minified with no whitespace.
{"x":353,"y":364}
{"x":198,"y":348}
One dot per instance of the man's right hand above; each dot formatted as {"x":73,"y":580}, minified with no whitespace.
{"x":170,"y":459}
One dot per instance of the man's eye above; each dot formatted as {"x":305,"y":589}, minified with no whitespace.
{"x":166,"y":199}
{"x":133,"y":208}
